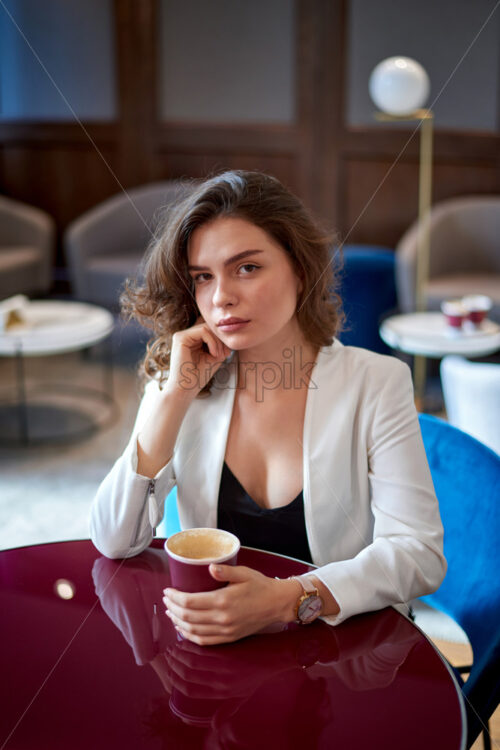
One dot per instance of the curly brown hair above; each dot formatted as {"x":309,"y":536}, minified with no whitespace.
{"x":164,"y":300}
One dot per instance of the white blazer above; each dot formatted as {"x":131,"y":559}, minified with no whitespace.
{"x":371,"y":514}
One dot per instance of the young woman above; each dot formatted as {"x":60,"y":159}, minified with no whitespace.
{"x":267,"y":424}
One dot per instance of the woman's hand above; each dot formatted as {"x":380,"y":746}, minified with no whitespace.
{"x":197,"y":353}
{"x":218,"y":674}
{"x":196,"y":356}
{"x":251,"y":602}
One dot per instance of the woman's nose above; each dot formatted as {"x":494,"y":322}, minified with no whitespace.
{"x":223,"y":293}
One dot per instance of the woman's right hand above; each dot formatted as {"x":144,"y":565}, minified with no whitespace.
{"x":196,"y":355}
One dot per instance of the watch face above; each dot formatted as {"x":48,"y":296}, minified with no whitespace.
{"x":310,"y":609}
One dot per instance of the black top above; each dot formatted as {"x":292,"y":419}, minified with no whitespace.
{"x":281,"y":530}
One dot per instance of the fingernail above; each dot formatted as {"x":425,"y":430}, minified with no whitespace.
{"x":216,"y":568}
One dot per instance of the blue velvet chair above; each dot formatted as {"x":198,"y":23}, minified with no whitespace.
{"x":466,"y":476}
{"x":368,"y":291}
{"x":170,"y":523}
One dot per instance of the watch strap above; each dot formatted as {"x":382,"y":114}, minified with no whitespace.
{"x":306,"y":583}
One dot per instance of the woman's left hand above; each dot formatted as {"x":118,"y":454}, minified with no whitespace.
{"x":250,"y":602}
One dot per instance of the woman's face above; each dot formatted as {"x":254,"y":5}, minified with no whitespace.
{"x":245,"y":285}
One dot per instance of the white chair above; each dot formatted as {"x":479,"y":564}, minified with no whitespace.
{"x":471,"y":393}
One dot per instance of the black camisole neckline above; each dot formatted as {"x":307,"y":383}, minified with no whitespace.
{"x":281,"y":530}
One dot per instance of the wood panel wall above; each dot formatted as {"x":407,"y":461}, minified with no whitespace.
{"x":363,"y":181}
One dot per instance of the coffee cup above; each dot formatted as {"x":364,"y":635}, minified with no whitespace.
{"x":190,"y":553}
{"x":454,"y":312}
{"x":477,"y":307}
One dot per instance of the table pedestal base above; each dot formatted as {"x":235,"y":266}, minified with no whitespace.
{"x":55,"y":413}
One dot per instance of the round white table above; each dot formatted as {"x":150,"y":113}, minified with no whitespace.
{"x":56,"y":327}
{"x":427,"y":334}
{"x":51,"y":327}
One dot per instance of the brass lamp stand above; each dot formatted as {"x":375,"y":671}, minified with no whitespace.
{"x":426,"y":119}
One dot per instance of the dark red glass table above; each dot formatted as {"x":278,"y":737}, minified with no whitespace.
{"x":89,"y":660}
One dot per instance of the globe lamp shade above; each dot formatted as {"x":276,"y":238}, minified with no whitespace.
{"x":399,"y":85}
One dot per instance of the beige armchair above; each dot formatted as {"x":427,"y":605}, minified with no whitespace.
{"x":464,"y":253}
{"x":106,"y":245}
{"x":27,"y":248}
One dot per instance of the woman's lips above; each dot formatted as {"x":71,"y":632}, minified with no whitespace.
{"x":232,"y":325}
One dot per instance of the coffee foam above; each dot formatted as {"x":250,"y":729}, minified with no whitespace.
{"x":201,"y":544}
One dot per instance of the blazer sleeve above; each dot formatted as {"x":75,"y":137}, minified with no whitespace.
{"x":405,"y":558}
{"x":128,"y":507}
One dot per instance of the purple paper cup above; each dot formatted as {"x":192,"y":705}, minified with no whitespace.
{"x":477,"y":307}
{"x":454,"y":312}
{"x":191,"y":551}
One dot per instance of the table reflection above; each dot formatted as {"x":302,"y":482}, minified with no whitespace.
{"x":295,"y":681}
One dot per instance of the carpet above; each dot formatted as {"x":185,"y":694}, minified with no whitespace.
{"x":46,"y":490}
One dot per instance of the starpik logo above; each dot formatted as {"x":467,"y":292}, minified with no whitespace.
{"x":292,"y":373}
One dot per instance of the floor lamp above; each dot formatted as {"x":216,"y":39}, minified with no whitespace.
{"x":399,"y":86}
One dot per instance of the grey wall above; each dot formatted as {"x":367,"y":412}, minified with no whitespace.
{"x":437,"y":33}
{"x":227,"y":60}
{"x":74,"y":39}
{"x":233,"y":60}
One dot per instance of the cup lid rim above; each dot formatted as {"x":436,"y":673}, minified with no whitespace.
{"x":204,"y":560}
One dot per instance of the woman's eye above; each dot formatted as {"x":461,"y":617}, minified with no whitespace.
{"x":199,"y":277}
{"x":248,"y":268}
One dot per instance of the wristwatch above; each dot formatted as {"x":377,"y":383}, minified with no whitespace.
{"x":309,"y":604}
